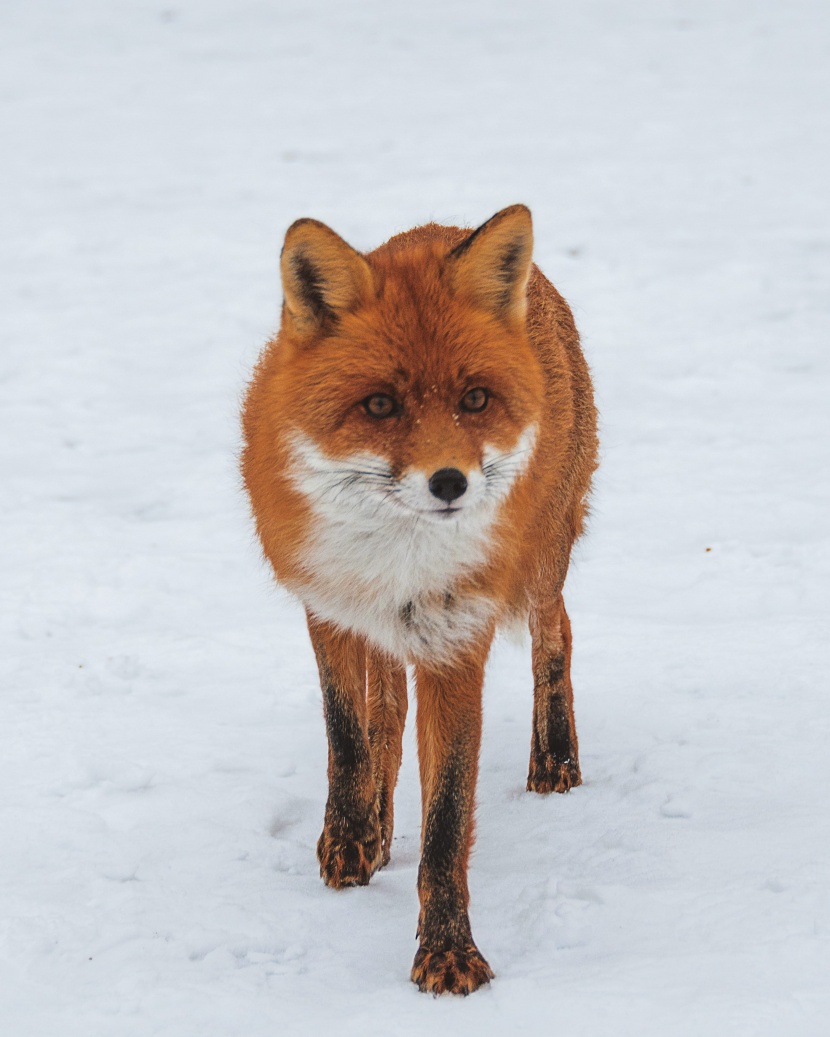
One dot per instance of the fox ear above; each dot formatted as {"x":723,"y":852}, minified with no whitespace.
{"x":492,"y":265}
{"x":322,"y":276}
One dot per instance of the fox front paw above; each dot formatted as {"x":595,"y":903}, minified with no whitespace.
{"x":546,"y":775}
{"x":349,"y":854}
{"x":455,"y":971}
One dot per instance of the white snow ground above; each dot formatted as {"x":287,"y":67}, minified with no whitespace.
{"x":163,"y":757}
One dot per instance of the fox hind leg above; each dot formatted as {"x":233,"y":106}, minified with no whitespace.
{"x":554,"y":750}
{"x":387,"y":707}
{"x":349,"y":849}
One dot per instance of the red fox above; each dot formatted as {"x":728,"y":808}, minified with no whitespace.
{"x":419,"y":443}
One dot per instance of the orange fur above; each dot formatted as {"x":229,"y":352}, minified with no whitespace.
{"x":349,"y":509}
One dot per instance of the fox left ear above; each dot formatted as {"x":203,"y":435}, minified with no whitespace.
{"x":492,"y":265}
{"x":322,"y":277}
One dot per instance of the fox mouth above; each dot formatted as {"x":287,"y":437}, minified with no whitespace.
{"x":434,"y":514}
{"x":442,"y":514}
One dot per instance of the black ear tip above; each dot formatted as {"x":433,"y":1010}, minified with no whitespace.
{"x":305,"y":221}
{"x":305,"y":229}
{"x":511,"y":213}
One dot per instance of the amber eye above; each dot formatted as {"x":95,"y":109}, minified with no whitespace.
{"x":380,"y":405}
{"x":475,"y":400}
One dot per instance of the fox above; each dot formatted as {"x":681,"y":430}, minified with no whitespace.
{"x":419,"y":440}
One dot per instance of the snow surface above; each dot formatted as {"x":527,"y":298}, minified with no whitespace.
{"x":163,"y":758}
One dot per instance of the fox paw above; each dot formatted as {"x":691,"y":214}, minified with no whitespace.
{"x":349,"y":857}
{"x":548,"y":776}
{"x":456,"y":971}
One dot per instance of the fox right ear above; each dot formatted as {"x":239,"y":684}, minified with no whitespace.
{"x":492,"y":265}
{"x":322,"y":277}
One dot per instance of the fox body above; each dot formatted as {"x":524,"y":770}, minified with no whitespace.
{"x":419,"y":443}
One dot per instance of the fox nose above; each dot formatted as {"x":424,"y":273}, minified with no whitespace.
{"x":448,"y":484}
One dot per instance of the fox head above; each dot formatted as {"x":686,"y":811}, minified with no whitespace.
{"x":413,"y":386}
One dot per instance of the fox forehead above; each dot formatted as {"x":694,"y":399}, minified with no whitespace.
{"x":419,"y":355}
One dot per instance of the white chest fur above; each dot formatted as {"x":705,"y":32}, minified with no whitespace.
{"x":383,"y":560}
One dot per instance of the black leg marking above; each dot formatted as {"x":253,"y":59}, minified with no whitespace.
{"x":348,"y":746}
{"x":558,"y":728}
{"x":349,"y":849}
{"x":445,"y":923}
{"x":556,"y":670}
{"x":445,"y":822}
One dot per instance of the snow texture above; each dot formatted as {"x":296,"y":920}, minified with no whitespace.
{"x":163,"y":758}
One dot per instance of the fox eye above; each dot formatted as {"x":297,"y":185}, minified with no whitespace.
{"x":475,"y":400}
{"x":379,"y":405}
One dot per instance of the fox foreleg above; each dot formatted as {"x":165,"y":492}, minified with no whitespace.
{"x":349,"y":849}
{"x":449,"y":736}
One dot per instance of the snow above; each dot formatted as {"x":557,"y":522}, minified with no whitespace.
{"x":163,"y":758}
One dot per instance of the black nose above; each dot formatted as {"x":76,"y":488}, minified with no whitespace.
{"x":448,"y":484}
